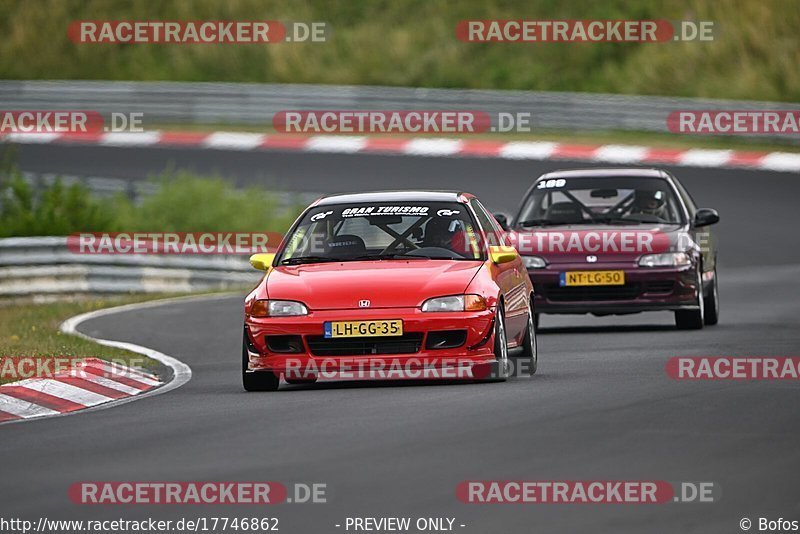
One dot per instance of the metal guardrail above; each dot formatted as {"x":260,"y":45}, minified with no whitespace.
{"x":44,"y":265}
{"x":104,"y":187}
{"x":100,"y":186}
{"x":255,"y":104}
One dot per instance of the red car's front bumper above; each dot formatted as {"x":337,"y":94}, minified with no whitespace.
{"x":296,"y":346}
{"x":645,"y":289}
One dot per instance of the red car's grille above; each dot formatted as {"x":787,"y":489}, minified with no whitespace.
{"x":584,"y":293}
{"x":408,"y":343}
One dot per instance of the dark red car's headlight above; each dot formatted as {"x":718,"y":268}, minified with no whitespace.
{"x":534,"y":262}
{"x":668,"y":259}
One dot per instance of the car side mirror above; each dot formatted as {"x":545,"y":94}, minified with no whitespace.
{"x":262,"y":261}
{"x":705,"y":217}
{"x":502,"y":254}
{"x":502,"y":220}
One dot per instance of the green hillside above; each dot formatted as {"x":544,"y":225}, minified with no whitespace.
{"x":413,"y":43}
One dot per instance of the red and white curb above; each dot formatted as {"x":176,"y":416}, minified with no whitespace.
{"x":432,"y":147}
{"x":98,"y":385}
{"x":94,"y":382}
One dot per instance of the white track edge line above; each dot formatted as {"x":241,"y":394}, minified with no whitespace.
{"x":182,"y":373}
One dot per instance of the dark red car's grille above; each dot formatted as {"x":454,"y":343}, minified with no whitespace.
{"x":408,"y":343}
{"x":584,"y":293}
{"x":663,"y":286}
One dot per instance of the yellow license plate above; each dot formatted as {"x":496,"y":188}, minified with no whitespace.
{"x":388,"y":327}
{"x":592,"y":278}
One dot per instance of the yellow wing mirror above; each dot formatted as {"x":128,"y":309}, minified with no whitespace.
{"x":262,"y":261}
{"x":502,"y":254}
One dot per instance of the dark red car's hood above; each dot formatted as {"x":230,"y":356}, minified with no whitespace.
{"x":389,"y":283}
{"x":623,"y":243}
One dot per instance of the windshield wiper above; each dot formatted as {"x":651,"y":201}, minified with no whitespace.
{"x":618,"y":220}
{"x":548,"y":222}
{"x":386,"y":257}
{"x":306,"y":259}
{"x":623,"y":220}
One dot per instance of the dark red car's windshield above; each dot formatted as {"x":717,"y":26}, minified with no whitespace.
{"x":624,"y":200}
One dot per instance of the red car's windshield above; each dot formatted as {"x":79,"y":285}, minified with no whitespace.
{"x":379,"y":231}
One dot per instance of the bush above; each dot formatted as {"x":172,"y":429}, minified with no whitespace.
{"x":182,"y":203}
{"x":187,"y":203}
{"x":57,"y":210}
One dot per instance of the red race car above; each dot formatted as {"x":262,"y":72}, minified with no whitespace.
{"x":389,"y":285}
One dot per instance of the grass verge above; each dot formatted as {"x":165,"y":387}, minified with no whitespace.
{"x":30,"y":330}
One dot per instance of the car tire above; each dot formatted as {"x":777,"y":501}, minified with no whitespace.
{"x":496,"y":371}
{"x":711,"y":316}
{"x":257,"y":380}
{"x":530,"y":349}
{"x":692,"y":319}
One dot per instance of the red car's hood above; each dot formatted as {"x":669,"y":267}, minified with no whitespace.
{"x":624,"y":243}
{"x":386,"y":284}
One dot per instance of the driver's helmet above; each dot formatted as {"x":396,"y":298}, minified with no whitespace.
{"x":652,"y":202}
{"x":438,"y":233}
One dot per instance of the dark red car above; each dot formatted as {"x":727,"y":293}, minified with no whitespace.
{"x":618,"y":241}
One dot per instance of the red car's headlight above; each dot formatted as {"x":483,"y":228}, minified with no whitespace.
{"x":275,"y":308}
{"x":455,"y":303}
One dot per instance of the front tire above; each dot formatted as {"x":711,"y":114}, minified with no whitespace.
{"x":257,"y":380}
{"x":712,"y":303}
{"x":530,"y":349}
{"x":496,"y":371}
{"x":693,"y":319}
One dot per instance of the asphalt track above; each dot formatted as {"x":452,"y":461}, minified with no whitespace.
{"x":602,"y":406}
{"x":758,"y":208}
